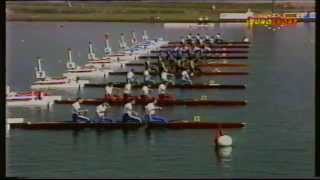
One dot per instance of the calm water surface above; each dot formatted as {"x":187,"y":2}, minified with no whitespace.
{"x":278,"y":141}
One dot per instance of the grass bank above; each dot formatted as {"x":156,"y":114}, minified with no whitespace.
{"x":134,"y":11}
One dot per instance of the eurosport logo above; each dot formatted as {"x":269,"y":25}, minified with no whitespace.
{"x":272,"y":21}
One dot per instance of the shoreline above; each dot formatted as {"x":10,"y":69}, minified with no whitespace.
{"x":139,"y":21}
{"x":142,"y":12}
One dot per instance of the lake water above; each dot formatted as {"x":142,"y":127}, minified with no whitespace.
{"x":278,"y":141}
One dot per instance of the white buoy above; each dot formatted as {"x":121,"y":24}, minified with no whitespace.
{"x":224,"y":140}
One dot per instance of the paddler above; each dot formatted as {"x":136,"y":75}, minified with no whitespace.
{"x":147,"y":77}
{"x":109,"y":96}
{"x":130,"y":115}
{"x":197,"y":52}
{"x":147,"y":65}
{"x":127,"y":90}
{"x":198,"y":38}
{"x":108,"y":90}
{"x":165,"y":78}
{"x":101,"y":111}
{"x":192,"y":66}
{"x":162,"y":89}
{"x":179,"y":53}
{"x":131,"y":77}
{"x":150,"y":111}
{"x":189,"y":37}
{"x":218,"y":38}
{"x":196,"y":49}
{"x":78,"y":114}
{"x":159,"y":61}
{"x":245,"y":39}
{"x":207,"y":49}
{"x":10,"y":93}
{"x":185,"y":77}
{"x":211,"y":41}
{"x":185,"y":54}
{"x":207,"y":38}
{"x":145,"y":91}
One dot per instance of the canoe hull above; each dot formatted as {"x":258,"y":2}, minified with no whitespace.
{"x":45,"y":101}
{"x":196,"y":74}
{"x":214,"y":57}
{"x":212,"y":52}
{"x":75,"y":126}
{"x":71,"y":85}
{"x":160,"y":102}
{"x":211,"y":46}
{"x":198,"y":65}
{"x":194,"y":86}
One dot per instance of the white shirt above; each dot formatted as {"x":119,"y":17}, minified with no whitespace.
{"x":164,"y":75}
{"x":150,"y":108}
{"x":146,"y":73}
{"x":246,"y":40}
{"x":196,"y":49}
{"x":185,"y":75}
{"x":207,"y":48}
{"x":130,"y":75}
{"x":127,"y":89}
{"x":109,"y":89}
{"x":128,"y":108}
{"x":101,"y":109}
{"x":218,"y":36}
{"x":148,"y":63}
{"x":76,"y":106}
{"x":162,"y":89}
{"x":145,"y":90}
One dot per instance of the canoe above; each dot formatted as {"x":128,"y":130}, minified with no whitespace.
{"x":65,"y":125}
{"x":211,"y":52}
{"x":198,"y":125}
{"x":196,"y":74}
{"x":211,"y":46}
{"x":210,"y":57}
{"x":175,"y":102}
{"x":181,"y":86}
{"x":198,"y":65}
{"x":224,"y":42}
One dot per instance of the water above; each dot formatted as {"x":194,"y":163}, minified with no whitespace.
{"x":278,"y":141}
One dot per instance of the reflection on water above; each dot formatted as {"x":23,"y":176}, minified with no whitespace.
{"x":224,"y":156}
{"x":224,"y":152}
{"x":159,"y":153}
